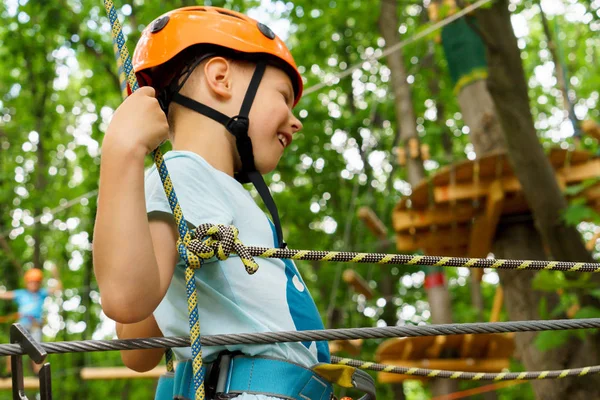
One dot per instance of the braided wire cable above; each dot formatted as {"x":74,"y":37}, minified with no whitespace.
{"x":198,"y":244}
{"x":468,"y":376}
{"x":344,"y":334}
{"x":192,"y":261}
{"x":310,"y":336}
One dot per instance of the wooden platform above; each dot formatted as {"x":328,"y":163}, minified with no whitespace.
{"x":471,"y":353}
{"x":352,"y":346}
{"x":29,"y":382}
{"x":455,"y":212}
{"x":104,"y":373}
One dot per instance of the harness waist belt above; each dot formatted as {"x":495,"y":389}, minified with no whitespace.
{"x":278,"y":378}
{"x":255,"y":375}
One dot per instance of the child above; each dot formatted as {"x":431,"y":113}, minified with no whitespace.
{"x":200,"y":66}
{"x":30,"y":302}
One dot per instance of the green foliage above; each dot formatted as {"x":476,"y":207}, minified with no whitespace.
{"x":549,"y":340}
{"x":579,"y":211}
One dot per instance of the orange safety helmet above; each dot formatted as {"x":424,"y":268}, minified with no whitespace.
{"x":173,"y":32}
{"x":219,"y":31}
{"x":34,"y":275}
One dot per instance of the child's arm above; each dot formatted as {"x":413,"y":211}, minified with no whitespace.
{"x":58,"y":286}
{"x":140,"y":360}
{"x":7,"y":295}
{"x":133,"y":260}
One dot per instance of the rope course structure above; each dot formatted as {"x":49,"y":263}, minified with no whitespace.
{"x":217,"y":240}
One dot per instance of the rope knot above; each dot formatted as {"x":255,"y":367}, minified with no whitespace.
{"x":210,"y":240}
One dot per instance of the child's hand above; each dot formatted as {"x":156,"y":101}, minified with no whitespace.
{"x":139,"y":122}
{"x":54,"y":272}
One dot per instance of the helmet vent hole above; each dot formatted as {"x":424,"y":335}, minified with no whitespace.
{"x":229,"y":14}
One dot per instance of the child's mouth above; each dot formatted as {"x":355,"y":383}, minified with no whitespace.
{"x":283,"y":140}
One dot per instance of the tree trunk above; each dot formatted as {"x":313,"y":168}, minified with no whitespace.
{"x":438,"y":297}
{"x":508,"y":88}
{"x":405,"y":114}
{"x":479,"y":113}
{"x":519,"y":241}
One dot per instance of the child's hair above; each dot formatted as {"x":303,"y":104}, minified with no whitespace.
{"x":181,"y":70}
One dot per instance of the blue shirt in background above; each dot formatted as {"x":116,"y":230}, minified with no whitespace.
{"x":30,"y":305}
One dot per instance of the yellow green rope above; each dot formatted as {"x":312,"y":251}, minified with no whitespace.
{"x":192,"y":261}
{"x":470,"y":376}
{"x":199,"y":243}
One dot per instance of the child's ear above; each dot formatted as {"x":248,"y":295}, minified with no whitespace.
{"x":217,"y":72}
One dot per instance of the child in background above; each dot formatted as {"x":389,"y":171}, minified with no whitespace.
{"x":30,"y":303}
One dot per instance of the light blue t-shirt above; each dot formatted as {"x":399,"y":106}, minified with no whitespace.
{"x":275,"y":298}
{"x":31,"y":306}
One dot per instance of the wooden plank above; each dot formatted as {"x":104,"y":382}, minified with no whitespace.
{"x":436,"y":348}
{"x":446,"y":251}
{"x":497,"y":305}
{"x":576,"y":165}
{"x":407,"y":242}
{"x":591,"y":128}
{"x":370,"y":219}
{"x":560,"y":157}
{"x":100,"y":373}
{"x":29,"y":382}
{"x":500,"y":346}
{"x":578,"y":173}
{"x":492,"y":166}
{"x":357,"y":283}
{"x":484,"y":227}
{"x":415,"y":219}
{"x":471,"y":191}
{"x":404,"y":348}
{"x":430,"y":238}
{"x":350,"y":346}
{"x":407,"y":351}
{"x":465,"y":364}
{"x":475,"y":346}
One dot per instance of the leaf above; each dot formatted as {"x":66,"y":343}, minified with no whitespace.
{"x":588,"y":312}
{"x":578,"y":211}
{"x":595,"y":293}
{"x":574,"y":190}
{"x":549,"y":340}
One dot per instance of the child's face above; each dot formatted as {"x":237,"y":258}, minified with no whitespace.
{"x":33,"y":286}
{"x":272,"y":123}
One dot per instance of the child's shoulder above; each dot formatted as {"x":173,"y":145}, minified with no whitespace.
{"x":182,"y":160}
{"x":200,"y":188}
{"x":186,"y":166}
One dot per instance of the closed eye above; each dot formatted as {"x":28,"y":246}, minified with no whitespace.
{"x":287,"y":98}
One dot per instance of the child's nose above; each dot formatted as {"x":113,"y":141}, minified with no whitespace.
{"x":296,"y":124}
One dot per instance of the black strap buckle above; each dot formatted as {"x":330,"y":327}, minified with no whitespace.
{"x":238,"y":126}
{"x":212,"y":382}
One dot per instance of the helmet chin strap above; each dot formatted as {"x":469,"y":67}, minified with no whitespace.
{"x":238,"y":126}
